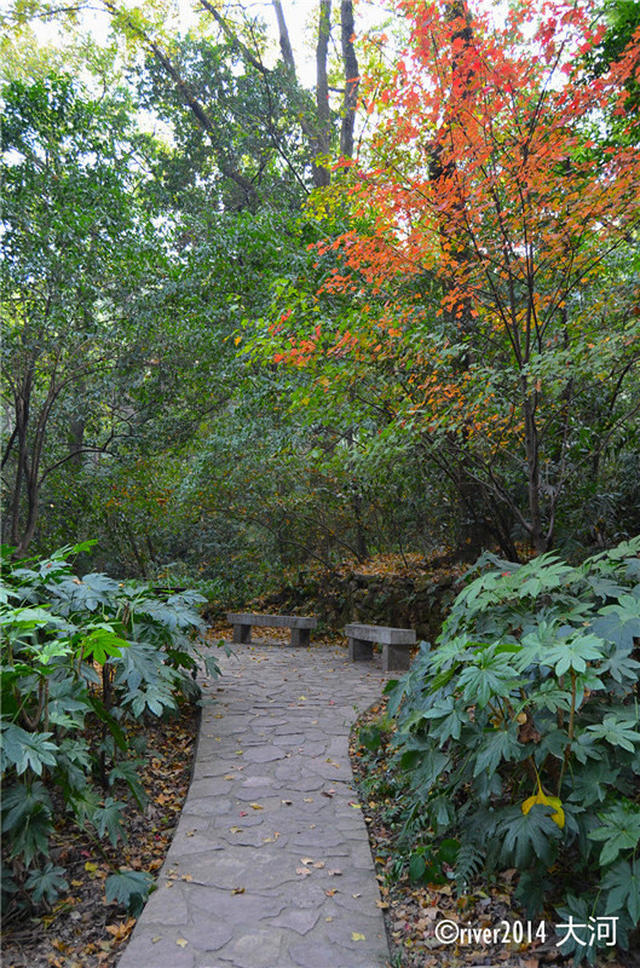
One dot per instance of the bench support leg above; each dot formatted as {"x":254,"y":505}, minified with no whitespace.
{"x":242,"y":633}
{"x":299,"y":636}
{"x":395,"y":657}
{"x":360,"y":649}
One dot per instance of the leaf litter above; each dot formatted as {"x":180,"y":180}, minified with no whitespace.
{"x":81,"y":930}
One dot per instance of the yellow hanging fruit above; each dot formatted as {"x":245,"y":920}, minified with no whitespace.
{"x":540,"y":797}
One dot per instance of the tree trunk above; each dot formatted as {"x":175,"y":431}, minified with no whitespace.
{"x":285,"y":43}
{"x":351,"y":79}
{"x":539,"y":540}
{"x":322,"y":141}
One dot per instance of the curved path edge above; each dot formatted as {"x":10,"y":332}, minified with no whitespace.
{"x":270,"y":864}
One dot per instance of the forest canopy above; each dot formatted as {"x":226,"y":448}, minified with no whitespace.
{"x":252,"y":322}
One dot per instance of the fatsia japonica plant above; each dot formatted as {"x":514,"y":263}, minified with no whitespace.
{"x":519,"y":736}
{"x":77,"y":653}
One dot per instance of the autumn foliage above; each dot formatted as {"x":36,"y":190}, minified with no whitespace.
{"x":490,"y":213}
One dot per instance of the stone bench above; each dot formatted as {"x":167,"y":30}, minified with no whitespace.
{"x":396,"y":644}
{"x":300,"y":625}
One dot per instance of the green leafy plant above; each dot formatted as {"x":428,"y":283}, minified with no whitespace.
{"x":518,"y":733}
{"x":80,"y":652}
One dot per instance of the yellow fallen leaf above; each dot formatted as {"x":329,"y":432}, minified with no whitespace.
{"x":356,"y":936}
{"x":235,"y":830}
{"x":540,"y":797}
{"x":182,"y":942}
{"x":121,"y":930}
{"x":256,"y":806}
{"x":238,"y":890}
{"x":90,"y":866}
{"x":156,"y":938}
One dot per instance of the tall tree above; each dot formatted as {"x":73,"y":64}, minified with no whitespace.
{"x":489,"y":173}
{"x":78,"y":257}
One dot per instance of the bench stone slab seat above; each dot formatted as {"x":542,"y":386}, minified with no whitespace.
{"x":300,"y":625}
{"x":396,"y":644}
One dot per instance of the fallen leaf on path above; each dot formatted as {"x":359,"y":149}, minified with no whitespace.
{"x":256,"y":806}
{"x":238,"y":890}
{"x":182,"y":942}
{"x":356,"y":936}
{"x":335,"y":873}
{"x":303,"y":871}
{"x":121,"y":930}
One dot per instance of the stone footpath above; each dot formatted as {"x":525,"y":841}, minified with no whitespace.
{"x":270,"y":865}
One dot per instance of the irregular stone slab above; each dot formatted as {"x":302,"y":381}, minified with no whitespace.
{"x":258,"y":845}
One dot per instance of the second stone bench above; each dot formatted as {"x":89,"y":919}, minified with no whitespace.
{"x":396,"y":644}
{"x":300,"y":625}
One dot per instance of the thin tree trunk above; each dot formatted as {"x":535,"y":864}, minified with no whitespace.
{"x":285,"y":43}
{"x":538,"y":539}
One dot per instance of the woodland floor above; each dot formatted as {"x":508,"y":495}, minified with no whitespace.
{"x":83,"y":931}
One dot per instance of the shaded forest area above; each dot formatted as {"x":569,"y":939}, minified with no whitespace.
{"x":329,"y":345}
{"x":228,"y":354}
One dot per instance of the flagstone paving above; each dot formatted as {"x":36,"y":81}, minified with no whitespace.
{"x":270,"y":865}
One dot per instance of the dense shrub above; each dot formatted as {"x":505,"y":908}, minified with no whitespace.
{"x":76,"y":653}
{"x":518,"y":736}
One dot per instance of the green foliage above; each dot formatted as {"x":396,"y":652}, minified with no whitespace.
{"x":79,"y":651}
{"x":129,"y":888}
{"x":518,"y":733}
